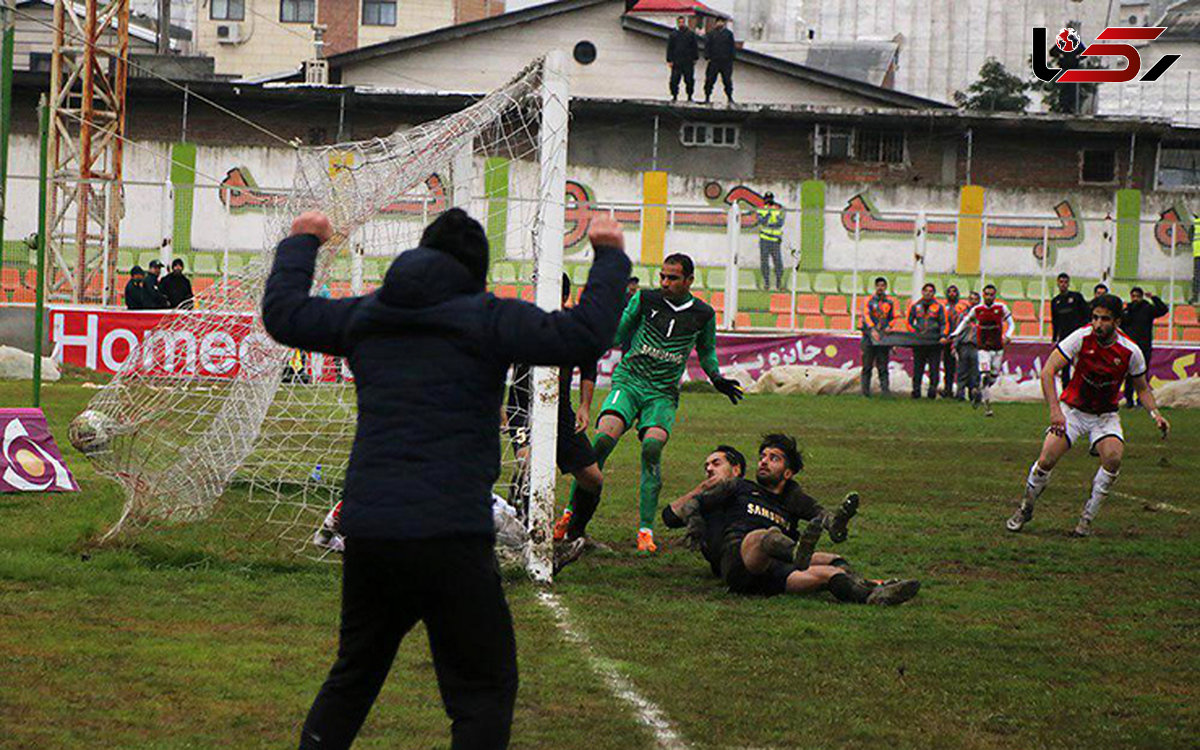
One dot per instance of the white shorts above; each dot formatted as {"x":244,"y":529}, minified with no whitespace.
{"x":1095,"y":427}
{"x":991,"y":361}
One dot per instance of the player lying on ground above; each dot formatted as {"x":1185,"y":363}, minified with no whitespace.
{"x":995,"y":326}
{"x":1101,"y":357}
{"x":753,"y":529}
{"x":658,"y":331}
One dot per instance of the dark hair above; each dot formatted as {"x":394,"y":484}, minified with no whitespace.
{"x":879,"y":279}
{"x":733,"y":456}
{"x":989,"y":286}
{"x":633,"y":280}
{"x":685,"y":262}
{"x":928,"y":285}
{"x":155,"y":262}
{"x":786,"y":444}
{"x":1100,"y":286}
{"x":461,"y":237}
{"x":1110,"y":302}
{"x":177,"y":262}
{"x":566,"y":287}
{"x":1066,"y":276}
{"x":952,"y":286}
{"x":769,"y":197}
{"x":1139,"y":290}
{"x":136,"y":270}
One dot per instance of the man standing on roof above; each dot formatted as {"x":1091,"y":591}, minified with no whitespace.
{"x":770,"y":237}
{"x":683,"y":49}
{"x":719,"y":48}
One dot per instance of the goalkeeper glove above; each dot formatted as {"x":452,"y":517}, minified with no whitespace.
{"x":730,"y":388}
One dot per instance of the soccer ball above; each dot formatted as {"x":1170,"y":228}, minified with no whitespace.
{"x":91,"y":431}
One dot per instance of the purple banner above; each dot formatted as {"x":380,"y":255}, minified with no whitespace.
{"x":753,"y":355}
{"x":29,"y":459}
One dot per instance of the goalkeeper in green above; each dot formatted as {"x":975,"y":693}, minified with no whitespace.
{"x":657,"y":332}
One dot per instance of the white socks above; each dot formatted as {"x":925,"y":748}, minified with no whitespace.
{"x":1036,"y":482}
{"x":1101,"y":484}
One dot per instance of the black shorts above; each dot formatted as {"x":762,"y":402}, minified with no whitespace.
{"x":573,"y":451}
{"x":741,"y":581}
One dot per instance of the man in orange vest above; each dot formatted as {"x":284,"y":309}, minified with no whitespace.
{"x":927,"y":319}
{"x":878,"y":314}
{"x":955,"y":309}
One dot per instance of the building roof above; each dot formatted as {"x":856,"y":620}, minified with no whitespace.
{"x":678,"y":7}
{"x":139,"y":26}
{"x":802,"y":72}
{"x":1182,"y":21}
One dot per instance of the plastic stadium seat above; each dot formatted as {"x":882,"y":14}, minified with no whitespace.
{"x":205,"y":264}
{"x":781,"y":303}
{"x":1190,"y":334}
{"x":504,"y":273}
{"x":748,"y":279}
{"x":145,"y":257}
{"x":903,"y":286}
{"x":31,"y":278}
{"x":1185,"y":315}
{"x":784,"y":322}
{"x":10,"y":278}
{"x":340,"y":289}
{"x":199,"y":285}
{"x":125,"y":260}
{"x":742,"y":320}
{"x":847,"y":284}
{"x":579,"y":275}
{"x":1028,"y":328}
{"x":1161,"y":333}
{"x":1121,"y":289}
{"x":808,"y":304}
{"x":1046,"y":310}
{"x":814,"y":322}
{"x":1011,"y":289}
{"x":835,"y":304}
{"x":803,"y":282}
{"x":1023,"y":312}
{"x":505,"y":290}
{"x":648,"y":275}
{"x":700,"y":294}
{"x":839,"y":322}
{"x":528,"y":293}
{"x":752,"y":300}
{"x":24,"y":295}
{"x":826,"y":283}
{"x":718,"y":301}
{"x":714,"y":278}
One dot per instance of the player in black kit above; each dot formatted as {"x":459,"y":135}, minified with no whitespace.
{"x":752,"y":531}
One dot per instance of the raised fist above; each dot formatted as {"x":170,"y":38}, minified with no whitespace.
{"x":315,"y":223}
{"x":605,"y":231}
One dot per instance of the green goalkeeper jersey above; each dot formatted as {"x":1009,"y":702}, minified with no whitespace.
{"x":658,"y":335}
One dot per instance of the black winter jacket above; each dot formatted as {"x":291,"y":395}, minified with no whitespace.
{"x":429,"y":375}
{"x":719,"y":45}
{"x":682,"y":47}
{"x":1138,"y":319}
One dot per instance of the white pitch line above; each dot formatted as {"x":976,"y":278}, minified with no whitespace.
{"x":649,"y":714}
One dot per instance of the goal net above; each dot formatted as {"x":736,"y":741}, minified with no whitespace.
{"x":209,"y":418}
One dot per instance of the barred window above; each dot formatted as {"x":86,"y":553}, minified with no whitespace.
{"x":709,"y":134}
{"x":1098,"y":165}
{"x":297,"y":11}
{"x":379,"y":12}
{"x":879,"y":146}
{"x":227,"y":10}
{"x":1179,"y":167}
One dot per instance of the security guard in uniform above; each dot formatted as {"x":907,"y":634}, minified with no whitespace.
{"x":770,"y":238}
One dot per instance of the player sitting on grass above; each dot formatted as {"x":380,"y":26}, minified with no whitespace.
{"x":753,"y":526}
{"x":1101,"y":357}
{"x":657,"y":332}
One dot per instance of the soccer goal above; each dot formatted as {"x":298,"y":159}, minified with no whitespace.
{"x":209,"y":418}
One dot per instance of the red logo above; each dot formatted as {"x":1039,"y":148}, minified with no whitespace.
{"x":1067,"y":40}
{"x":1069,"y":43}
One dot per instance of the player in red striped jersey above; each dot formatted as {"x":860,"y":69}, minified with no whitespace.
{"x":1101,"y":357}
{"x":995,"y":326}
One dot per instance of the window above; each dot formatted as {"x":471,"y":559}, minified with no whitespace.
{"x":708,"y":134}
{"x":1179,"y":167}
{"x":227,"y":10}
{"x":1098,"y":166}
{"x":297,"y":11}
{"x":379,"y":13}
{"x":879,"y":147}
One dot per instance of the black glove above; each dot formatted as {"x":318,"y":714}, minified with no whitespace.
{"x":730,"y":388}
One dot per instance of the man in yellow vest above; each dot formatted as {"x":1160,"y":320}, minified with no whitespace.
{"x":1195,"y":260}
{"x":770,"y":237}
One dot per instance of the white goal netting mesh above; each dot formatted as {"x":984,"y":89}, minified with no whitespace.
{"x":210,"y":419}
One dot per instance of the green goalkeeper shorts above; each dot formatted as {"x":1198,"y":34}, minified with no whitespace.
{"x":641,"y":406}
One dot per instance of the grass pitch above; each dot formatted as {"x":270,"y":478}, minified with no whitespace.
{"x":1016,"y":641}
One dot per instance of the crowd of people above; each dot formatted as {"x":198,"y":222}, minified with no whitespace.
{"x":150,"y":290}
{"x":417,"y":522}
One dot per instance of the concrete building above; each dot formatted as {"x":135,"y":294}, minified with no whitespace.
{"x":33,"y":36}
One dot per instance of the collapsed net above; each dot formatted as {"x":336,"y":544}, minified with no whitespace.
{"x":210,"y":418}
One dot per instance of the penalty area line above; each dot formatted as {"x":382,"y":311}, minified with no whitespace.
{"x":648,"y":714}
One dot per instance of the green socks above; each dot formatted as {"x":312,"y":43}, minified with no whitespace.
{"x":651,"y":480}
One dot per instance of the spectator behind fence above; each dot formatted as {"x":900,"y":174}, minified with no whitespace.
{"x":1069,"y":311}
{"x":155,"y":299}
{"x":927,"y":318}
{"x":719,"y":48}
{"x":967,"y":346}
{"x":176,"y":287}
{"x":955,"y":309}
{"x":878,"y":314}
{"x":1138,"y":325}
{"x":770,"y":238}
{"x":135,"y":290}
{"x":683,"y":49}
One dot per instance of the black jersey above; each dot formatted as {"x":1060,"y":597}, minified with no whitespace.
{"x":519,"y":392}
{"x":735,"y":508}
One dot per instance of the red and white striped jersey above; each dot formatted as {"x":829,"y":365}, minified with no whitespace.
{"x":993,"y":322}
{"x":1098,"y":371}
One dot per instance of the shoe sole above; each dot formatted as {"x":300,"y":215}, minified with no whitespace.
{"x":838,"y":530}
{"x":802,"y":555}
{"x":894,"y":594}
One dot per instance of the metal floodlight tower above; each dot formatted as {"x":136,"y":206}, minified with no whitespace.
{"x":88,"y":74}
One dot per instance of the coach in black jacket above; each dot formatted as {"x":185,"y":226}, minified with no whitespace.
{"x":1138,"y":324}
{"x":429,"y":351}
{"x":1069,"y":312}
{"x":682,"y":52}
{"x":719,"y":48}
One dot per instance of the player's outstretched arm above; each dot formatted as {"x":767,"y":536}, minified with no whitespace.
{"x":290,"y":315}
{"x":706,"y":351}
{"x":1049,"y":377}
{"x":1146,"y":397}
{"x":967,"y":320}
{"x":710,"y":492}
{"x":587,"y":389}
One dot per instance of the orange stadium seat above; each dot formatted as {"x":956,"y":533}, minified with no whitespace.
{"x":742,"y":320}
{"x":1028,"y":328}
{"x":700,"y":294}
{"x":718,"y":301}
{"x":10,"y":278}
{"x":835,"y":304}
{"x":814,"y":322}
{"x":784,"y":321}
{"x":24,"y":294}
{"x":1024,"y":312}
{"x":505,"y":290}
{"x":808,"y":304}
{"x":200,"y":284}
{"x":31,"y":278}
{"x":1185,"y":315}
{"x":781,"y":303}
{"x":1190,"y":334}
{"x":839,"y":322}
